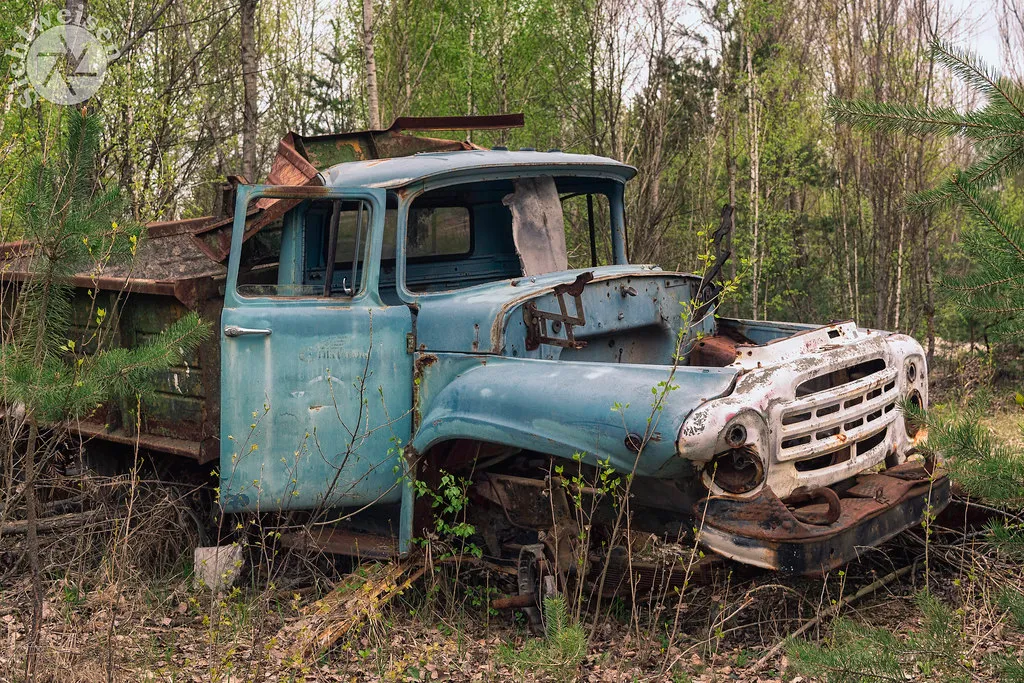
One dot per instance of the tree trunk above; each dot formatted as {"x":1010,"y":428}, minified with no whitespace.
{"x":730,"y":170}
{"x":372,"y":98}
{"x":929,"y":307}
{"x":846,"y":244}
{"x":76,"y":10}
{"x":405,"y":59}
{"x":755,"y":171}
{"x":31,"y":520}
{"x":247,"y":14}
{"x":469,"y":73}
{"x":76,"y":17}
{"x":899,"y":249}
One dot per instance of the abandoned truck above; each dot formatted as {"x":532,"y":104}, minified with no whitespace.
{"x":395,"y":308}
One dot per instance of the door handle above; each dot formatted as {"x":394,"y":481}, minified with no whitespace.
{"x":236,"y":331}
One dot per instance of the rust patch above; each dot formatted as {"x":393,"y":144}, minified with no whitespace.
{"x":537,"y":320}
{"x":337,"y":541}
{"x":800,"y":537}
{"x":424,"y":361}
{"x":714,"y":352}
{"x":819,"y":515}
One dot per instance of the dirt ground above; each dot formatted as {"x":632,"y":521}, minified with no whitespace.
{"x":442,"y":627}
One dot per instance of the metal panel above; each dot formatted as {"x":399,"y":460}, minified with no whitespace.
{"x":309,"y":410}
{"x":560,"y":408}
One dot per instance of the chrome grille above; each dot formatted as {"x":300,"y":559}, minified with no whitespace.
{"x":833,"y":418}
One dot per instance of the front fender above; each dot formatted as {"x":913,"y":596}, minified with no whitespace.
{"x":561,"y":407}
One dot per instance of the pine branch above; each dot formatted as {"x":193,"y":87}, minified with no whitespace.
{"x":902,"y":118}
{"x":988,"y":214}
{"x":973,"y":71}
{"x":995,"y":166}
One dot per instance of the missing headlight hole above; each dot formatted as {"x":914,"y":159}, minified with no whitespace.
{"x":738,"y":470}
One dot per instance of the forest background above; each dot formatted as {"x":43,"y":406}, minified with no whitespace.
{"x":713,"y":102}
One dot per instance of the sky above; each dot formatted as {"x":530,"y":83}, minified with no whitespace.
{"x":981,"y":26}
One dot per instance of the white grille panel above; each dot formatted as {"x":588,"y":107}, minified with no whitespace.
{"x":827,"y":420}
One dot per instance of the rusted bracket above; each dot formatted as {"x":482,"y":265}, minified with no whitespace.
{"x":537,"y":320}
{"x":813,"y":514}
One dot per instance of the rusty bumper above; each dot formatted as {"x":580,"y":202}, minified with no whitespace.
{"x":815,"y":538}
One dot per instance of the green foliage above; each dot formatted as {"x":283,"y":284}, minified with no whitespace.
{"x":1010,"y":670}
{"x":449,"y":502}
{"x":561,"y":651}
{"x":985,"y":468}
{"x":1009,"y":538}
{"x":994,"y":245}
{"x":1012,"y":601}
{"x":73,"y":224}
{"x":854,"y":653}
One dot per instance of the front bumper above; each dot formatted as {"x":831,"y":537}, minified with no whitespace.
{"x":874,"y":507}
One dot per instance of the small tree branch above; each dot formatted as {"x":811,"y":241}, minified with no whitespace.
{"x":138,"y":35}
{"x":834,"y":610}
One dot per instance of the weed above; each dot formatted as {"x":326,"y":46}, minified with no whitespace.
{"x":854,"y":652}
{"x":559,"y":653}
{"x":1013,"y":601}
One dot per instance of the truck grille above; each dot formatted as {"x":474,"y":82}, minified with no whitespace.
{"x":844,"y":420}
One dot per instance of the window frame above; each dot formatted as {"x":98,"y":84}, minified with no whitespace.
{"x":374,"y":198}
{"x":408,"y":194}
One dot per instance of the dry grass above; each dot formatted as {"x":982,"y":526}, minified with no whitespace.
{"x":1007,"y":426}
{"x":168,"y":630}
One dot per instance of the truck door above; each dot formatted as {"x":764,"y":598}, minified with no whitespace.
{"x":315,"y":377}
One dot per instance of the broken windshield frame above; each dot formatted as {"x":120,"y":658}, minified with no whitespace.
{"x":608,"y":185}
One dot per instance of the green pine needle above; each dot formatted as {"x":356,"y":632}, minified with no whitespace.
{"x":75,"y":225}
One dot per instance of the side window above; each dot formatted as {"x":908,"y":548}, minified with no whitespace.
{"x":351,"y":228}
{"x":316,"y":250}
{"x":259,"y":268}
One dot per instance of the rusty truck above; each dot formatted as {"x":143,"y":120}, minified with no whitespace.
{"x":392,"y":308}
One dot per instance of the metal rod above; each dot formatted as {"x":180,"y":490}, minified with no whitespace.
{"x":355,"y":254}
{"x":593,"y":231}
{"x":332,"y":247}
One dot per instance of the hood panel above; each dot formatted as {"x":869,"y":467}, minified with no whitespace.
{"x":629,"y":302}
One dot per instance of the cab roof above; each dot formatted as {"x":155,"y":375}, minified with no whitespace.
{"x":399,"y":172}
